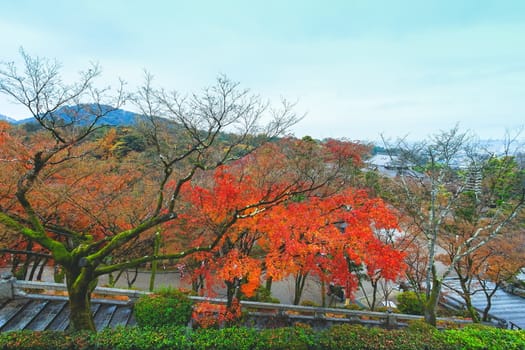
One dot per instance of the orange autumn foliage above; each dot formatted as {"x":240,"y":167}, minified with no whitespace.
{"x":305,"y":236}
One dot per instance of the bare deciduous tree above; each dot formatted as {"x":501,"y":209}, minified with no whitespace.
{"x":435,"y":185}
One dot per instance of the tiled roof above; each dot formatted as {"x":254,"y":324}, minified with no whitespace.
{"x":508,"y":307}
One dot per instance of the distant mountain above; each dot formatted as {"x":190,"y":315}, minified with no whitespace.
{"x":85,"y":114}
{"x":6,"y":118}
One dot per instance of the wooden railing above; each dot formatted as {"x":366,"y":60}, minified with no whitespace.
{"x":256,"y":310}
{"x":322,"y":315}
{"x":99,"y":291}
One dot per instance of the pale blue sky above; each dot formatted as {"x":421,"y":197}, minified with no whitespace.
{"x":356,"y":68}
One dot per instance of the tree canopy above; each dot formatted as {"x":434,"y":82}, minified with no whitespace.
{"x":84,"y":195}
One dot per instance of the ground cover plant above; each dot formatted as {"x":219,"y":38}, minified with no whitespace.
{"x":415,"y":337}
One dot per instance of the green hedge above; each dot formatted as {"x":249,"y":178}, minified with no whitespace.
{"x":299,"y":337}
{"x":480,"y":337}
{"x":164,"y":308}
{"x":411,"y":303}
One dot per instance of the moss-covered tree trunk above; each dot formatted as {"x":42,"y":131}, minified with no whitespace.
{"x":468,"y":301}
{"x":433,"y":299}
{"x":80,"y":284}
{"x":154,"y":263}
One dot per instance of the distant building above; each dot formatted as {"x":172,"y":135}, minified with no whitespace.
{"x":474,"y":179}
{"x":385,"y":165}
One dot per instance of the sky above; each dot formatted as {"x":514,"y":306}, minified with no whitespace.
{"x":356,"y":69}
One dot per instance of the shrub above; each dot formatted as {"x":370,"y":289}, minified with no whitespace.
{"x":347,"y":336}
{"x":482,"y":337}
{"x":300,"y":337}
{"x":386,"y":309}
{"x":309,"y":303}
{"x":240,"y":338}
{"x":411,"y":303}
{"x":353,"y":306}
{"x":263,"y":295}
{"x":420,"y":326}
{"x":43,"y":340}
{"x":207,"y":314}
{"x":341,"y":337}
{"x":168,"y":307}
{"x":138,"y":338}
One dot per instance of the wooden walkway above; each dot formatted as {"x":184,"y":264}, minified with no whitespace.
{"x":47,"y":312}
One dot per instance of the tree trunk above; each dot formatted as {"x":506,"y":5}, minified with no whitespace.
{"x":41,"y":271}
{"x":300,"y":281}
{"x":34,"y":267}
{"x":473,"y":312}
{"x":132,"y":280}
{"x":21,"y":273}
{"x":269,"y":282}
{"x":374,"y":294}
{"x":154,"y":263}
{"x":197,"y":284}
{"x":323,"y":292}
{"x":58,"y":273}
{"x":80,"y":285}
{"x":486,"y":310}
{"x":488,"y":296}
{"x":468,"y":300}
{"x":232,"y":291}
{"x":80,"y":307}
{"x":432,"y":300}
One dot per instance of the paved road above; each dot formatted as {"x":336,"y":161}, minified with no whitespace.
{"x":282,"y":290}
